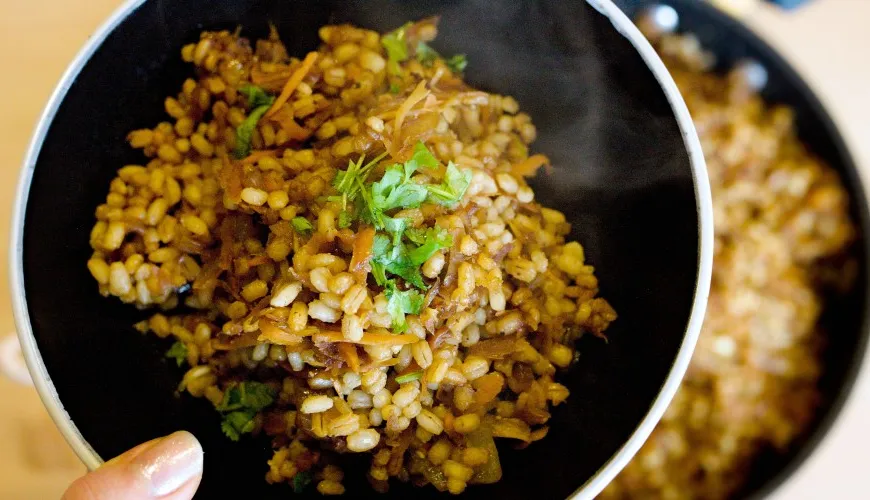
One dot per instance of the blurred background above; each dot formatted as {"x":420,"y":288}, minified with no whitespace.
{"x":825,"y":40}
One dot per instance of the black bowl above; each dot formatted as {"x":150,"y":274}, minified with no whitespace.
{"x":845,"y":318}
{"x":638,"y":200}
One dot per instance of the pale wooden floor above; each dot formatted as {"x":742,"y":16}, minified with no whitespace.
{"x":824,"y":40}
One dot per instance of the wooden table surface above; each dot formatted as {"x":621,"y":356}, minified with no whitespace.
{"x":827,"y":41}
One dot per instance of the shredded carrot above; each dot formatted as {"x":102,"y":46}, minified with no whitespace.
{"x":348,"y":352}
{"x":487,"y":388}
{"x":420,"y":92}
{"x":269,"y":331}
{"x":362,"y":252}
{"x":530,"y":165}
{"x":292,"y":83}
{"x":259,"y":259}
{"x":231,"y":179}
{"x":284,"y":118}
{"x":368,"y":338}
{"x":223,"y":343}
{"x":260,"y":153}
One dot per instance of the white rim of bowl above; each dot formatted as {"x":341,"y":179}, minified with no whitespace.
{"x":590,"y":489}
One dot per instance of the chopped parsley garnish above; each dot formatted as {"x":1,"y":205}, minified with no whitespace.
{"x":301,"y":481}
{"x":402,"y":379}
{"x":178,"y":352}
{"x":240,"y":406}
{"x":301,"y":225}
{"x":397,"y":49}
{"x":259,"y":102}
{"x":400,"y":303}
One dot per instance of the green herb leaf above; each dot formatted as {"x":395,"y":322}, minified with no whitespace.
{"x":393,"y":258}
{"x":351,"y":181}
{"x":395,"y":88}
{"x":301,"y":481}
{"x":246,"y":130}
{"x":379,"y":272}
{"x":400,"y":303}
{"x":240,"y":405}
{"x":396,"y":190}
{"x":457,"y":63}
{"x":236,"y":423}
{"x":259,"y":102}
{"x":301,"y":225}
{"x":426,"y":54}
{"x":422,"y":157}
{"x":247,"y":396}
{"x":396,"y":227}
{"x":397,"y":49}
{"x":178,"y":352}
{"x":452,"y":188}
{"x":402,"y":379}
{"x":431,"y":240}
{"x":256,"y":96}
{"x":344,"y":219}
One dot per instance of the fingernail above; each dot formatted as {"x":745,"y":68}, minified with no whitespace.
{"x":170,"y":462}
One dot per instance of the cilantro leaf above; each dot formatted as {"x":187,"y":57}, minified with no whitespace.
{"x":457,"y":63}
{"x":426,"y":54}
{"x":393,"y":258}
{"x":422,"y":157}
{"x":396,"y":190}
{"x":240,"y":405}
{"x":301,"y":225}
{"x":178,"y":352}
{"x":351,"y":183}
{"x":256,"y":96}
{"x":379,"y":272}
{"x":400,"y":303}
{"x":236,"y":423}
{"x":431,"y":240}
{"x":397,"y":49}
{"x":259,"y":102}
{"x":396,"y":227}
{"x":402,"y":379}
{"x":301,"y":481}
{"x":245,"y":131}
{"x":344,"y":219}
{"x":452,"y":188}
{"x":247,"y":396}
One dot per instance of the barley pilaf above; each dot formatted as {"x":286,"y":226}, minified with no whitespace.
{"x":778,"y":212}
{"x":368,"y":265}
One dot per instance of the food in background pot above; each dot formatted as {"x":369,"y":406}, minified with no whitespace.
{"x":780,"y":214}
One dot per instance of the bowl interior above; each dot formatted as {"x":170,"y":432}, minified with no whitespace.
{"x":844,"y":319}
{"x":622,"y":176}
